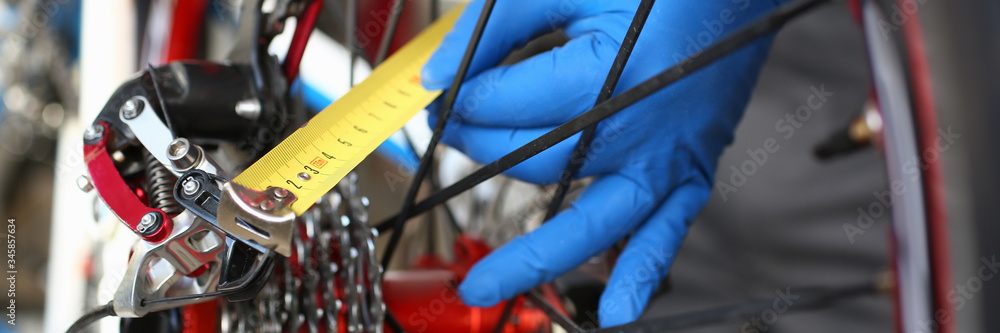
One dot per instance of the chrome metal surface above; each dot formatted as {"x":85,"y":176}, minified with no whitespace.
{"x":244,"y":214}
{"x":158,"y":271}
{"x":150,"y":131}
{"x":132,"y":108}
{"x":248,"y":108}
{"x":149,"y":223}
{"x":84,"y":183}
{"x":93,"y":132}
{"x":183,"y":155}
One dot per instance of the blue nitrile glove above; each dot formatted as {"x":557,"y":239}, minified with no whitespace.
{"x":654,"y":161}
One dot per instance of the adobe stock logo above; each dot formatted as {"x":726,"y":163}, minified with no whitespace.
{"x":786,"y":125}
{"x":762,"y":323}
{"x":428,"y":313}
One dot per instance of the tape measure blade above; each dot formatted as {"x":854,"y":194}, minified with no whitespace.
{"x":315,"y":157}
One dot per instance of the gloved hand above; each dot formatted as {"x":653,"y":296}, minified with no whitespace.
{"x":654,"y":161}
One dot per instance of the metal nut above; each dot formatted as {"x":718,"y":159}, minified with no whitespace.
{"x":132,"y":108}
{"x":149,"y":224}
{"x":94,"y":132}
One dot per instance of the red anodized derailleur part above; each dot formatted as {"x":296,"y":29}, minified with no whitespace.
{"x":116,"y":193}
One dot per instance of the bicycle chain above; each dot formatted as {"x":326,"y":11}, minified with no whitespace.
{"x":333,"y":274}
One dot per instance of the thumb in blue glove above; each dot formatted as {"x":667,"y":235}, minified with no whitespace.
{"x":653,"y":161}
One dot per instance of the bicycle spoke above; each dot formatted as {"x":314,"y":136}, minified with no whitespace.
{"x":508,"y":309}
{"x":390,"y":31}
{"x":740,"y":38}
{"x":449,"y":102}
{"x":617,"y":67}
{"x":580,"y":151}
{"x":349,"y":35}
{"x":392,"y":322}
{"x":567,"y":324}
{"x":449,"y":214}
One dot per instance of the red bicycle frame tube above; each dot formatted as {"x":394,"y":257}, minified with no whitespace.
{"x":186,"y":29}
{"x":297,"y":48}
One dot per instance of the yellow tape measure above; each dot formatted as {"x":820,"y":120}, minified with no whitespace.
{"x":318,"y":155}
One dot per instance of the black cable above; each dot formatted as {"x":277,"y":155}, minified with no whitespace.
{"x":255,"y":62}
{"x":802,"y":299}
{"x":718,"y":50}
{"x":159,"y":96}
{"x":617,"y":67}
{"x":95,"y":314}
{"x":449,"y":102}
{"x":390,"y":31}
{"x":186,"y":297}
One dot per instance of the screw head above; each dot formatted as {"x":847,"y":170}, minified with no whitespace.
{"x":93,"y":132}
{"x":131,"y":109}
{"x":267,"y":205}
{"x":83,"y":182}
{"x":279,"y":193}
{"x":304,"y":176}
{"x":183,"y":155}
{"x":149,"y":224}
{"x":190,"y":186}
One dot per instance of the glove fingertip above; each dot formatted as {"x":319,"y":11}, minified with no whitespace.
{"x":479,"y":290}
{"x":619,"y":307}
{"x":434,"y":78}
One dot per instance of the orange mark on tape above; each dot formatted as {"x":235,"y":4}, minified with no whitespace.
{"x":318,"y":162}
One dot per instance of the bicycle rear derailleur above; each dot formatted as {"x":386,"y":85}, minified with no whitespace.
{"x":134,"y":157}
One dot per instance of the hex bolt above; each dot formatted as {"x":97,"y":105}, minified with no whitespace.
{"x":190,"y":186}
{"x":183,"y":155}
{"x":149,"y":224}
{"x":94,"y":132}
{"x":84,"y":183}
{"x":131,"y":109}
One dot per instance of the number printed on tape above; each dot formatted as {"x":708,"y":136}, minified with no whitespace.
{"x":314,"y":158}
